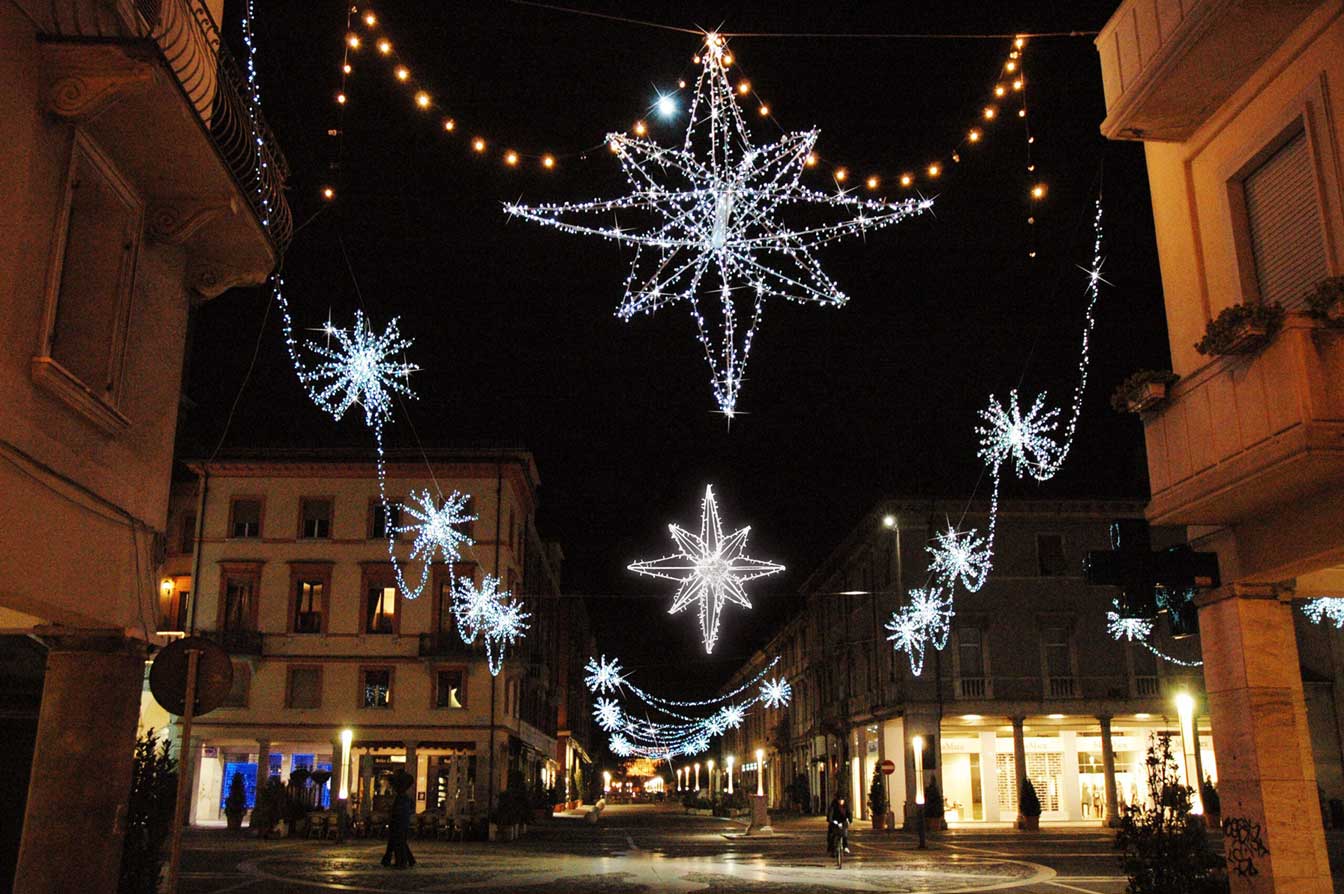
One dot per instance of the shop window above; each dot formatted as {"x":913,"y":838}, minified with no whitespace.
{"x":450,"y":689}
{"x":315,"y":519}
{"x":308,"y":605}
{"x":375,"y":685}
{"x":304,"y":688}
{"x":380,"y":609}
{"x":1283,"y":223}
{"x":248,"y":771}
{"x":245,"y":518}
{"x":242,"y":680}
{"x":1050,"y":561}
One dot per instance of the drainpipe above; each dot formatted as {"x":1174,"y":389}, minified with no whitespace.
{"x":494,"y":681}
{"x":204,"y":478}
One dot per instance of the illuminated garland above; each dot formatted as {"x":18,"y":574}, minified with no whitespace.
{"x":715,"y":232}
{"x":1323,"y":609}
{"x":711,"y":569}
{"x":1139,"y":630}
{"x":657,"y":728}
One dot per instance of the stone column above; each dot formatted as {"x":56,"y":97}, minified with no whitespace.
{"x":1108,"y":769}
{"x":1070,"y":792}
{"x":366,"y":782}
{"x":263,"y":762}
{"x":1019,"y":758}
{"x":1259,"y":717}
{"x":75,"y":817}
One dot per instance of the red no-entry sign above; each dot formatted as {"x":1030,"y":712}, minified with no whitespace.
{"x":888,"y":767}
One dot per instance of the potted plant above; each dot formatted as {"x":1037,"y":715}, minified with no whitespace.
{"x":271,"y":807}
{"x":877,"y":799}
{"x":1028,"y":807}
{"x":1241,"y":329}
{"x":235,"y":805}
{"x":933,"y":807}
{"x":1326,"y":301}
{"x":1143,"y":390}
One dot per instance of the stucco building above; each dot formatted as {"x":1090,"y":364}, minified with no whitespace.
{"x":137,"y":183}
{"x":292,"y":577}
{"x":1030,"y":676}
{"x":1238,"y":106}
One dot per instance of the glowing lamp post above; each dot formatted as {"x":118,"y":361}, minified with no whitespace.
{"x":710,"y":771}
{"x":760,"y":772}
{"x":1185,"y":710}
{"x":606,"y":781}
{"x":730,"y":774}
{"x":697,"y":776}
{"x":346,"y":737}
{"x":918,"y":744}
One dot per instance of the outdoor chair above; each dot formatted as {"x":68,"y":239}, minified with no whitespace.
{"x":317,"y":825}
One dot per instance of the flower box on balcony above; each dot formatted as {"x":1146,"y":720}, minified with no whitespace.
{"x":1241,"y":329}
{"x":1142,"y":391}
{"x":1326,"y":301}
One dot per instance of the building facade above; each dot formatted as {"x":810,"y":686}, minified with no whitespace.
{"x":292,"y":577}
{"x":132,"y":192}
{"x":1239,"y":110}
{"x":1029,"y":677}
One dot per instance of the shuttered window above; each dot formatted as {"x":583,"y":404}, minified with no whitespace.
{"x":1285,"y":223}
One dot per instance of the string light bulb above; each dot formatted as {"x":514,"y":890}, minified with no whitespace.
{"x":640,"y":128}
{"x":346,"y":69}
{"x":841,"y":175}
{"x":548,"y":161}
{"x":328,"y":193}
{"x":449,"y":125}
{"x":510,"y":158}
{"x":1038,"y":191}
{"x":744,"y":87}
{"x":1017,"y":83}
{"x":1010,"y":66}
{"x":974,"y":135}
{"x":811,"y":160}
{"x":370,"y":19}
{"x":353,"y":41}
{"x":764,"y":110}
{"x":340,"y":98}
{"x":385,"y":46}
{"x":907,"y":179}
{"x":990,"y":112}
{"x":402,"y":72}
{"x":1000,"y":90}
{"x":935,"y":169}
{"x":1020,"y":42}
{"x":478,"y":144}
{"x":422,"y":99}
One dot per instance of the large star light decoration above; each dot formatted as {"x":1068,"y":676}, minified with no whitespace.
{"x":776,"y":692}
{"x":960,"y":557}
{"x":436,"y":532}
{"x":359,"y":369}
{"x":1027,"y":438}
{"x":714,"y":231}
{"x":490,"y":613}
{"x":710,"y":567}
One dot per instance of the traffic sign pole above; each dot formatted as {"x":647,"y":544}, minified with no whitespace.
{"x":183,"y":771}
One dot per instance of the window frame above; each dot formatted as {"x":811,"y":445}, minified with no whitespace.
{"x":462,"y":699}
{"x":363,"y":686}
{"x":1069,"y":626}
{"x":1063,"y":555}
{"x":378,"y":573}
{"x":330,"y":500}
{"x":231,"y":569}
{"x":244,"y":668}
{"x":308,"y":571}
{"x":439,"y":578}
{"x":234,"y":500}
{"x":375,"y":503}
{"x":289,"y":686}
{"x":101,"y":406}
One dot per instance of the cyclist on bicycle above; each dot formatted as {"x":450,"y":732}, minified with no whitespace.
{"x":837,"y":826}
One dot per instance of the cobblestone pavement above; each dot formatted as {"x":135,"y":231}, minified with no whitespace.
{"x":653,"y":849}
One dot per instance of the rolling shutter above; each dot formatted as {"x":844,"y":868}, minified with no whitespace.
{"x":1285,"y":224}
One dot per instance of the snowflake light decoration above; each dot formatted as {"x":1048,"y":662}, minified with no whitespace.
{"x":1325,"y":608}
{"x":1130,"y":629}
{"x":1025,"y":438}
{"x":491,"y":614}
{"x":715,"y":725}
{"x":715,"y":230}
{"x":933,"y":612}
{"x":711,"y":569}
{"x":603,"y":675}
{"x":907,"y":635}
{"x":360,"y":369}
{"x":960,"y":557}
{"x":607,"y":712}
{"x":436,"y":534}
{"x":696,"y":746}
{"x":620,"y":746}
{"x":733,"y":715}
{"x":776,"y":692}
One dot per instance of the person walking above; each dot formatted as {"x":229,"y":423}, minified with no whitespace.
{"x":838,"y":819}
{"x":398,"y":852}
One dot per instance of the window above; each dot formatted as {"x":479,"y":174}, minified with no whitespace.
{"x":174,"y":597}
{"x":242,"y":679}
{"x":1050,"y":561}
{"x":450,"y":689}
{"x":1058,"y":661}
{"x":304,"y":688}
{"x":1283,"y":222}
{"x":315,"y":519}
{"x":384,"y":518}
{"x":380,"y":608}
{"x":89,"y":288}
{"x":245,"y":518}
{"x":238,"y":601}
{"x":375,"y":685}
{"x":444,"y":610}
{"x":970,"y":652}
{"x":186,"y":542}
{"x":308,"y":605}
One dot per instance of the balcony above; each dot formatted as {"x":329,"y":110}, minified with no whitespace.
{"x":1146,"y":686}
{"x":444,"y":645}
{"x":1168,"y":65}
{"x":153,"y":84}
{"x":973,"y":687}
{"x":1060,"y":687}
{"x":1247,"y":433}
{"x":236,"y":642}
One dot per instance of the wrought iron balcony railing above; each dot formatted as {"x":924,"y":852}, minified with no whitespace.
{"x":211,"y":79}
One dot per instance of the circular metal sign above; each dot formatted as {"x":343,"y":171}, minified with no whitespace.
{"x":168,"y":675}
{"x":888,"y":767}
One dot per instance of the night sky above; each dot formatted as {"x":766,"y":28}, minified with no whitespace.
{"x":514,"y":325}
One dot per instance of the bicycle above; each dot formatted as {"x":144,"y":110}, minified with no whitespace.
{"x":841,"y":842}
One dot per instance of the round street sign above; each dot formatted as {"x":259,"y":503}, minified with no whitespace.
{"x":168,"y":675}
{"x":888,"y":767}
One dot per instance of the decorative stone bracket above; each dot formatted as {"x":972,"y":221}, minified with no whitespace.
{"x":82,"y":79}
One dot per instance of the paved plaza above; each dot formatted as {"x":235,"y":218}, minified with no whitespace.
{"x":649,"y":849}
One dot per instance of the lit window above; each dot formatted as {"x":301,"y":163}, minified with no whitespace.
{"x":380,"y":609}
{"x":450,"y":691}
{"x":376,"y":684}
{"x":308,"y":595}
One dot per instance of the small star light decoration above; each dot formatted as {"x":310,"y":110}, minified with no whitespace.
{"x":1025,"y":438}
{"x":607,"y":712}
{"x":491,"y":614}
{"x":715,"y":237}
{"x":960,"y":557}
{"x":602,"y":675}
{"x":435,"y":528}
{"x":711,"y":569}
{"x":1325,"y":608}
{"x":620,"y":745}
{"x":776,"y":692}
{"x":925,"y":618}
{"x":360,"y":369}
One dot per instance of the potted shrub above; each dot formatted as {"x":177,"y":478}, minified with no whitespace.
{"x":1028,"y":807}
{"x":271,"y":807}
{"x":1326,"y":301}
{"x":1241,"y":329}
{"x":877,"y":799}
{"x":235,"y":805}
{"x":1143,"y":390}
{"x":933,"y":807}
